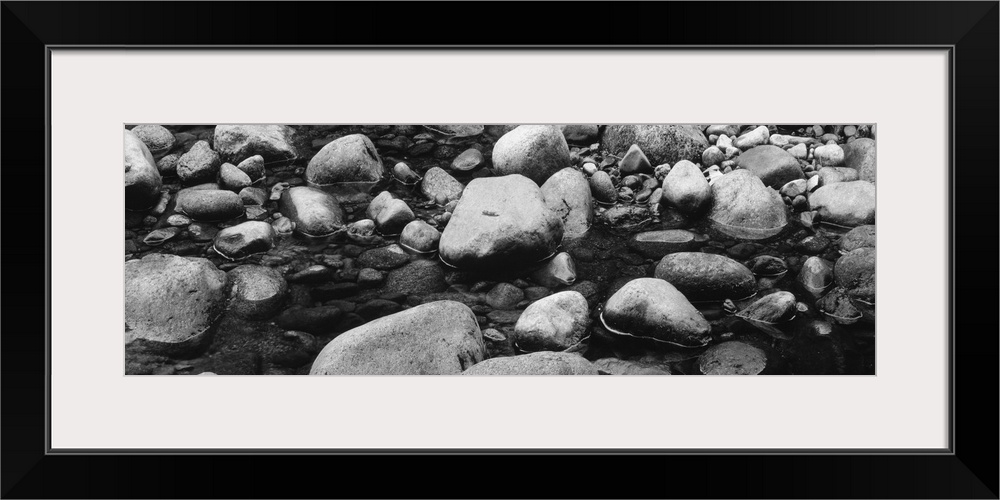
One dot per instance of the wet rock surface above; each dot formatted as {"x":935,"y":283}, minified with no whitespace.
{"x":587,"y":274}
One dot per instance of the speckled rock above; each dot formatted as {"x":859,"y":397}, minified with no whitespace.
{"x":855,"y":273}
{"x":831,"y":175}
{"x":860,"y":155}
{"x":471,"y":159}
{"x":656,"y":244}
{"x":774,"y":166}
{"x":756,"y":137}
{"x":256,"y":292}
{"x":254,"y":167}
{"x":537,"y":363}
{"x":232,"y":178}
{"x":859,"y":237}
{"x":419,"y":237}
{"x":417,"y":277}
{"x":653,"y":308}
{"x":439,"y":186}
{"x":686,"y":189}
{"x":273,"y":143}
{"x":660,"y":143}
{"x":603,"y":188}
{"x":744,"y":208}
{"x":706,"y":277}
{"x":553,"y":323}
{"x":209,"y":204}
{"x":199,"y":164}
{"x":732,"y":358}
{"x":314,"y":212}
{"x":504,"y":296}
{"x":348,"y":166}
{"x":830,"y":155}
{"x":567,"y":194}
{"x":534,"y":151}
{"x":158,"y":139}
{"x":774,"y":308}
{"x":845,"y":203}
{"x":614,"y":366}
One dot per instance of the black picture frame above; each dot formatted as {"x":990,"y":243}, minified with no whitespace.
{"x":969,"y":29}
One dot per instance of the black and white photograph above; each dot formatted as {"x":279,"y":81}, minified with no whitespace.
{"x":516,"y":249}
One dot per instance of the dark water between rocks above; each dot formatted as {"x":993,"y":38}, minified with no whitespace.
{"x":811,"y":343}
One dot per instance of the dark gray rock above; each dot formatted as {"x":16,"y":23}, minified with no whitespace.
{"x":199,"y":164}
{"x":417,"y":277}
{"x":706,"y":277}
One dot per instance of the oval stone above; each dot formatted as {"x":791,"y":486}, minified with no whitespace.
{"x":349,"y":165}
{"x":772,"y":309}
{"x":816,"y":276}
{"x":686,"y":188}
{"x":656,"y":244}
{"x":706,"y":277}
{"x":420,"y":237}
{"x":157,"y":138}
{"x":743,"y":207}
{"x":567,"y":194}
{"x":256,"y":292}
{"x":534,"y":151}
{"x":859,"y":154}
{"x":314,"y":212}
{"x":244,"y":239}
{"x":236,"y":143}
{"x":855,"y":273}
{"x":845,"y":203}
{"x":774,"y":166}
{"x":439,"y":186}
{"x":142,"y":178}
{"x":652,"y":308}
{"x":553,"y":323}
{"x":859,"y":237}
{"x":209,"y":204}
{"x":614,"y":366}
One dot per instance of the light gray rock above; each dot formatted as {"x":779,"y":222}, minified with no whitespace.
{"x":845,"y":203}
{"x":256,"y":292}
{"x":656,"y":244}
{"x":440,"y":187}
{"x":200,"y":164}
{"x":794,"y":188}
{"x":142,"y":177}
{"x":536,"y":363}
{"x":774,"y":166}
{"x":567,"y":194}
{"x":232,"y":178}
{"x":830,"y":155}
{"x":394,"y":217}
{"x":253,"y":196}
{"x":653,"y":308}
{"x":314,"y":212}
{"x":171,"y":302}
{"x":534,"y":151}
{"x":209,"y":204}
{"x":378,"y":203}
{"x":420,"y":237}
{"x":273,"y":143}
{"x":436,"y":338}
{"x":860,"y":155}
{"x":729,"y":130}
{"x":469,"y":160}
{"x":158,"y":139}
{"x":706,"y":277}
{"x":744,"y":208}
{"x":713,"y":156}
{"x":831,"y":175}
{"x":753,"y":138}
{"x":816,"y":276}
{"x":660,"y":143}
{"x":244,"y":239}
{"x":799,"y":151}
{"x":553,"y":323}
{"x":254,"y":168}
{"x":772,"y":309}
{"x":686,"y":189}
{"x":500,"y":221}
{"x":348,"y":167}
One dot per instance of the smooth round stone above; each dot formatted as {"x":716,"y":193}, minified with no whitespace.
{"x":244,"y":239}
{"x":238,"y":142}
{"x":534,"y":151}
{"x":142,"y":177}
{"x":660,"y":143}
{"x":830,"y":155}
{"x":348,"y":167}
{"x":314,"y":212}
{"x":436,"y":338}
{"x":589,"y":169}
{"x":404,"y":174}
{"x":157,"y":138}
{"x":171,"y":301}
{"x":830,"y":175}
{"x":860,"y":155}
{"x":767,"y":266}
{"x":654,"y":309}
{"x":254,"y":167}
{"x":178,"y":220}
{"x":394,"y":217}
{"x":732,"y":358}
{"x":558,"y":271}
{"x":706,"y":277}
{"x":845,"y":203}
{"x":504,"y":296}
{"x":440,"y":187}
{"x":855,"y":273}
{"x":388,"y":257}
{"x":859,"y":237}
{"x":256,"y":292}
{"x":772,"y":309}
{"x":199,"y":164}
{"x":743,"y":207}
{"x":603,"y":188}
{"x":471,"y":159}
{"x":816,"y":276}
{"x":634,"y":161}
{"x":753,"y":138}
{"x":419,"y":237}
{"x":232,"y":178}
{"x":536,"y":363}
{"x":774,"y":166}
{"x":553,"y":323}
{"x":567,"y":194}
{"x":713,"y":156}
{"x":686,"y":189}
{"x":614,"y":366}
{"x":378,"y":204}
{"x":209,"y":204}
{"x":799,"y":151}
{"x":656,"y":244}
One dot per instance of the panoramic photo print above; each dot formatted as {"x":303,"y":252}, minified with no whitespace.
{"x":518,"y":249}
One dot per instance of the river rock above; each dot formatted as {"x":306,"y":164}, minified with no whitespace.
{"x":157,"y":138}
{"x":440,"y":187}
{"x":775,"y":166}
{"x":816,"y":276}
{"x":830,"y":155}
{"x":348,"y":166}
{"x":394,"y":217}
{"x":171,"y":302}
{"x":603,"y":188}
{"x":417,"y":277}
{"x":471,"y":159}
{"x":732,"y":358}
{"x":634,"y":161}
{"x":859,"y":237}
{"x":387,"y":257}
{"x":614,"y":366}
{"x":199,"y":164}
{"x":772,"y":309}
{"x":500,"y":221}
{"x":436,"y":338}
{"x":567,"y":194}
{"x":585,"y":134}
{"x":713,"y":156}
{"x":273,"y":143}
{"x":830,"y":175}
{"x":142,"y":178}
{"x":534,"y":151}
{"x":420,"y":237}
{"x":558,"y":271}
{"x":504,"y":296}
{"x":838,"y":307}
{"x":653,"y":308}
{"x":859,"y":154}
{"x":536,"y":363}
{"x":314,"y":212}
{"x":845,"y":203}
{"x":752,"y":139}
{"x":686,"y":189}
{"x":744,"y":208}
{"x":254,"y":168}
{"x":232,"y":178}
{"x":855,"y":273}
{"x":794,"y":188}
{"x":719,"y":130}
{"x":799,"y":151}
{"x":660,"y":143}
{"x":706,"y":277}
{"x":553,"y":323}
{"x":209,"y":204}
{"x":656,"y":244}
{"x":256,"y":292}
{"x":253,"y":196}
{"x":244,"y":239}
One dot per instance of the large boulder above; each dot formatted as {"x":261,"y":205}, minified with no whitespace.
{"x":314,"y":212}
{"x":553,"y":323}
{"x":537,"y":363}
{"x":236,"y":143}
{"x":436,"y":338}
{"x":171,"y":302}
{"x":661,"y":143}
{"x":500,"y":221}
{"x":743,"y":207}
{"x":845,"y":203}
{"x":567,"y":193}
{"x":775,"y":166}
{"x":348,"y":166}
{"x":652,"y":308}
{"x":686,"y":189}
{"x":142,"y":178}
{"x":534,"y":151}
{"x":706,"y":277}
{"x":859,"y":154}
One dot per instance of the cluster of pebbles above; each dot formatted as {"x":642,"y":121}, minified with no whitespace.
{"x":500,"y":249}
